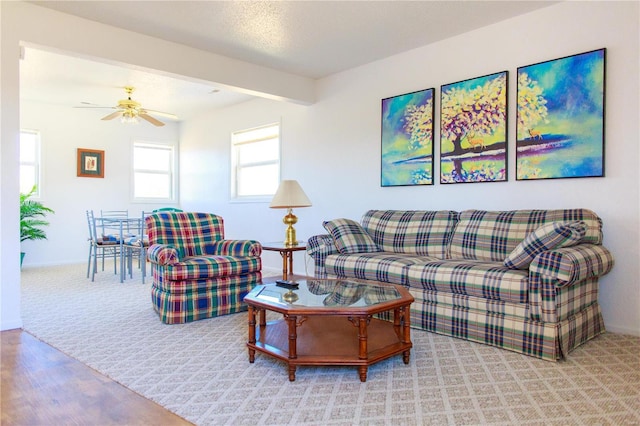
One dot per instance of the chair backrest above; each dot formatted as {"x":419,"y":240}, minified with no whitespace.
{"x":143,"y":215}
{"x":113,"y":214}
{"x":168,"y":209}
{"x":187,"y":231}
{"x":93,"y":237}
{"x":116,"y":214}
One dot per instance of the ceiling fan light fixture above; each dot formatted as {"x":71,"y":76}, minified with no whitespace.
{"x":130,"y":111}
{"x":129,"y":117}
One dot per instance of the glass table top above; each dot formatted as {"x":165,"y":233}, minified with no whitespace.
{"x":328,"y":293}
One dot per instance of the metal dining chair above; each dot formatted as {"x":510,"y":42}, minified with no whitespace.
{"x":98,"y":247}
{"x":110,"y":217}
{"x":136,"y":247}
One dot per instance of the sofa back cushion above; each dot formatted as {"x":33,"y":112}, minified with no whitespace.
{"x":425,"y":233}
{"x":190,"y":233}
{"x":492,"y":235}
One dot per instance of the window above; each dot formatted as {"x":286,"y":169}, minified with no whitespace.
{"x":29,"y":161}
{"x":255,"y":165}
{"x":154,"y":171}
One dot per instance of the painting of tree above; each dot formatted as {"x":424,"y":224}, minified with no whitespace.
{"x":407,"y":139}
{"x":473,"y":130}
{"x":560,"y":118}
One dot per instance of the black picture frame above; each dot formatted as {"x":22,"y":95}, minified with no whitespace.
{"x":560,"y":119}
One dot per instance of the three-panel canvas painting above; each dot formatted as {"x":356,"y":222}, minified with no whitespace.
{"x":559,"y":126}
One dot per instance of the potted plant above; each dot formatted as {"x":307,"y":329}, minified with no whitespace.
{"x":32,"y":215}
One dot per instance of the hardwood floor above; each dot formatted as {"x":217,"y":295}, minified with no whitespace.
{"x":42,"y":386}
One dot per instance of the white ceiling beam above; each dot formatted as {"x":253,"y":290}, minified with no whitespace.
{"x":47,"y":29}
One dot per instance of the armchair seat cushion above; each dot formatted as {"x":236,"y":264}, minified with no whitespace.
{"x":200,"y":267}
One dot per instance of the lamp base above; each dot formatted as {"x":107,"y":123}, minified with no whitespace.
{"x":290,"y":236}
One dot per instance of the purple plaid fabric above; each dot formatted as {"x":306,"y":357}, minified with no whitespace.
{"x":456,"y":273}
{"x":547,"y":237}
{"x":349,"y":236}
{"x":486,"y":235}
{"x":426,"y":233}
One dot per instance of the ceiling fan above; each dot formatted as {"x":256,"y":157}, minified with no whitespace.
{"x":130,"y":111}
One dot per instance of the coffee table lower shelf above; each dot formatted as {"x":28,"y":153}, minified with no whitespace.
{"x":330,"y":340}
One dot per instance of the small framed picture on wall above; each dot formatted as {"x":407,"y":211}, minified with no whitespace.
{"x":90,"y":163}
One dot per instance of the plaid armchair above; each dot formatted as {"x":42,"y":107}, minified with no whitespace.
{"x":198,"y":274}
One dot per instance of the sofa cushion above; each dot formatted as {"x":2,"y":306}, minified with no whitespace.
{"x":492,"y":235}
{"x":425,"y":233}
{"x":382,"y":266}
{"x":350,"y":237}
{"x":547,"y":237}
{"x":487,"y":280}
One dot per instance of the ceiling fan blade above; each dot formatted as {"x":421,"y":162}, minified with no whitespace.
{"x":162,"y":114}
{"x":95,"y":107}
{"x":151,"y":120}
{"x":112,"y":115}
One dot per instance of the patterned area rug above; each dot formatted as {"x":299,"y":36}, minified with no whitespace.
{"x":201,"y":370}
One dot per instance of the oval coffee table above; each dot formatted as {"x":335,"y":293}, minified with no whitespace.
{"x":330,"y":322}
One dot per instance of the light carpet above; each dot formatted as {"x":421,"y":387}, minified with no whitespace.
{"x":201,"y":371}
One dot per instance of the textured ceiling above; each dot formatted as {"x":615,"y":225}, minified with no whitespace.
{"x":308,"y":38}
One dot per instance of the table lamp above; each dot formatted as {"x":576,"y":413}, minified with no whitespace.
{"x":288,"y":196}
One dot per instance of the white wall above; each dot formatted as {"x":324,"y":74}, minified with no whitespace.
{"x":22,"y":23}
{"x":333,"y":147}
{"x":62,"y":131}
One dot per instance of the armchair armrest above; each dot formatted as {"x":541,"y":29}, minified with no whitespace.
{"x":573,"y":264}
{"x":163,"y":254}
{"x":244,"y":248}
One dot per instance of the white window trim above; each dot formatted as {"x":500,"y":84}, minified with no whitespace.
{"x":174,"y":175}
{"x":234,"y":198}
{"x":37,"y":162}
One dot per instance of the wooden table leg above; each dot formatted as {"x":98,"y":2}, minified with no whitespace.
{"x":406,"y":327}
{"x":362,"y":354}
{"x":293,"y":352}
{"x":397,"y":320}
{"x":285,"y":258}
{"x":290,"y":256}
{"x":252,"y":333}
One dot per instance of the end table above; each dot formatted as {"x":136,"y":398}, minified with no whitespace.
{"x":287,"y":255}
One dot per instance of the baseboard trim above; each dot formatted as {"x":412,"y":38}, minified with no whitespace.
{"x":622,"y":330}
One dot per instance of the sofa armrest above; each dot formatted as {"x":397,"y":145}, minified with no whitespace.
{"x":163,"y":254}
{"x":573,"y":264}
{"x":244,"y":248}
{"x":564,"y":281}
{"x":319,"y":247}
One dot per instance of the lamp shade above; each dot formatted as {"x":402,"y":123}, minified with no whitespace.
{"x":289,"y":195}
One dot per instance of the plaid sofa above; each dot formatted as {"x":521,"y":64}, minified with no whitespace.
{"x":522,"y":280}
{"x":196,"y":273}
